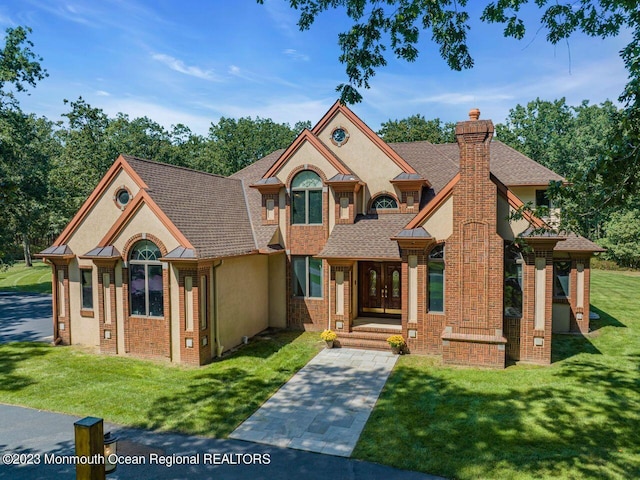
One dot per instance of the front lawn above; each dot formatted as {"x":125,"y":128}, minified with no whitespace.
{"x":211,"y":400}
{"x":18,"y":278}
{"x":579,"y":418}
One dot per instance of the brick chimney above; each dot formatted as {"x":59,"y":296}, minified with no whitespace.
{"x":474,"y":256}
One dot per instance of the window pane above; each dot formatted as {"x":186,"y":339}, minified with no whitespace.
{"x":299,"y":275}
{"x":156,"y":301}
{"x":561,"y":279}
{"x":512,"y":288}
{"x":436,"y":286}
{"x":395,"y":284}
{"x":315,"y":206}
{"x":298,"y":207}
{"x":137,"y":285}
{"x":384,"y":202}
{"x":145,"y":250}
{"x":315,"y":277}
{"x":306,"y":179}
{"x":87,"y":289}
{"x":541,"y":199}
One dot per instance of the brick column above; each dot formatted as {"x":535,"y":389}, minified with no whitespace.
{"x":473,"y":332}
{"x":107,"y":316}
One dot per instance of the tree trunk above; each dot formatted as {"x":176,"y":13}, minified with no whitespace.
{"x":27,"y":250}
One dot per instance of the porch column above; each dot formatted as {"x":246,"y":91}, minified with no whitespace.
{"x":107,"y":315}
{"x":341,"y":295}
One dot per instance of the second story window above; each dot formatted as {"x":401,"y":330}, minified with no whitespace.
{"x":306,"y":198}
{"x":384,"y":202}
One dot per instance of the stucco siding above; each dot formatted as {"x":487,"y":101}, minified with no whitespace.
{"x":440,"y":223}
{"x":306,"y":155}
{"x":364,"y":157}
{"x":84,"y":330}
{"x":277,"y":291}
{"x":243,"y":298}
{"x":101,"y":216}
{"x":145,"y":221}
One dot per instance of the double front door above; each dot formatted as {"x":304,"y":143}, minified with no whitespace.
{"x":380,"y":288}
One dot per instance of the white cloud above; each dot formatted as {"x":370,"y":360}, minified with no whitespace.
{"x":295,"y":55}
{"x":102,"y":93}
{"x":282,"y":16}
{"x":164,"y":115}
{"x":179,"y":66}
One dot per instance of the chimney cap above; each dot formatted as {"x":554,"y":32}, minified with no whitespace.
{"x":474,"y":114}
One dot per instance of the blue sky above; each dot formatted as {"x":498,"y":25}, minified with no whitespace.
{"x":192,"y":62}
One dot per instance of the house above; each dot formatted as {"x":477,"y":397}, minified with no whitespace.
{"x":339,"y":231}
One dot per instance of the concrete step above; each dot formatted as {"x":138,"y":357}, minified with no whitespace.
{"x":363,"y":343}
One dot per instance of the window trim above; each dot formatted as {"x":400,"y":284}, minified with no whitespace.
{"x":518,"y":260}
{"x":306,"y":191}
{"x":555,"y":278}
{"x":443,"y":262}
{"x":307,"y":273}
{"x":83,"y":309}
{"x":146,"y":264}
{"x":380,"y":197}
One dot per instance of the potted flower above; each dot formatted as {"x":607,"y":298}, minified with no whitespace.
{"x":397,"y":343}
{"x":329,"y":336}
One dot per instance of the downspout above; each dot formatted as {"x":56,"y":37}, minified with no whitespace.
{"x":54,"y":302}
{"x":329,"y":294}
{"x":216,"y":329}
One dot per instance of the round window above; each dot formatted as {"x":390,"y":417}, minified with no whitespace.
{"x":339,"y":136}
{"x":123,"y":197}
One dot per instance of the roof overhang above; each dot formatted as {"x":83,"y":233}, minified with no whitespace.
{"x":268,"y":185}
{"x":56,"y":252}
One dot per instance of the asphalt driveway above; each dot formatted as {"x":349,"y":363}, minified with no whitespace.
{"x":25,"y":317}
{"x":27,"y":435}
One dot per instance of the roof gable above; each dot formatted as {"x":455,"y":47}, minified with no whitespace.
{"x":130,"y":211}
{"x":118,"y":166}
{"x":339,"y":108}
{"x":307,"y":137}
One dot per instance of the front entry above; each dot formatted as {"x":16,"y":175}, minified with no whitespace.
{"x":380,"y":288}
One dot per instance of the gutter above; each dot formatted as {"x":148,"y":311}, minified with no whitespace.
{"x":216,"y":326}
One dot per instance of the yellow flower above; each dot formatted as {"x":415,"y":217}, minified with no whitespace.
{"x":328,"y":335}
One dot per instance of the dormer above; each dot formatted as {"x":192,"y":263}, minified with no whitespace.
{"x":410,"y":186}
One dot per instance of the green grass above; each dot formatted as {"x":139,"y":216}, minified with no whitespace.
{"x":19,"y":278}
{"x":211,"y":400}
{"x":578,"y":418}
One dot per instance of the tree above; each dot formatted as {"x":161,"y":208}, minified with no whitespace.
{"x":416,"y":128}
{"x":568,"y":140}
{"x":19,"y":66}
{"x":622,"y":240}
{"x":20,"y":173}
{"x":398,"y":24}
{"x":238,"y":143}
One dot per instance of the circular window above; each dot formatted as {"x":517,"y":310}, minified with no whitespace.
{"x":339,"y":136}
{"x":123,"y":197}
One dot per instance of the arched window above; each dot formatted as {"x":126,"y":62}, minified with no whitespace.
{"x":145,"y":280}
{"x":512,"y":281}
{"x":384,"y":202}
{"x":306,"y":198}
{"x":436,"y":279}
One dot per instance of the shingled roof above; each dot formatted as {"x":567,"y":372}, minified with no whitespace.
{"x":209,"y":210}
{"x":439,"y":164}
{"x":250,"y":175}
{"x":368,"y":238}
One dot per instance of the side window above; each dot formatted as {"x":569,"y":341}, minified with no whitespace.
{"x":306,"y":276}
{"x":86,"y":288}
{"x":512,"y":282}
{"x":306,"y":198}
{"x":435,"y":267}
{"x":561,"y":271}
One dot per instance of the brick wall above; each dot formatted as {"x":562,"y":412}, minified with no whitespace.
{"x":474,"y":258}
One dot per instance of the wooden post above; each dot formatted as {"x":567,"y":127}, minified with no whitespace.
{"x":89,"y":434}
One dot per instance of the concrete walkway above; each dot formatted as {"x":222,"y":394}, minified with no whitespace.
{"x":324,"y":407}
